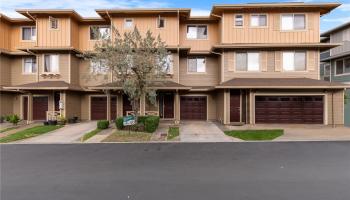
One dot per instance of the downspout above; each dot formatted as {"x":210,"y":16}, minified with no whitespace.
{"x":333,"y":109}
{"x":36,"y":27}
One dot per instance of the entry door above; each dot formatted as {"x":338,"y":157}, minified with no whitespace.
{"x":113,"y":107}
{"x":126,"y":105}
{"x":25,"y":108}
{"x":235,"y":106}
{"x":57,"y":101}
{"x":168,"y":106}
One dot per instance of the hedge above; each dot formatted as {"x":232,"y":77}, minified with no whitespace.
{"x":102,"y":124}
{"x":119,"y":123}
{"x":151,"y":124}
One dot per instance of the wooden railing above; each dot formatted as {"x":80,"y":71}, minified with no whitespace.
{"x":52,"y":115}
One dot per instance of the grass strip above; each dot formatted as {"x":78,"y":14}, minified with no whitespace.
{"x":173,"y":132}
{"x":255,"y":134}
{"x":90,"y":134}
{"x":125,"y":136}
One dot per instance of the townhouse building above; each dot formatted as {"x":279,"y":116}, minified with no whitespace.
{"x":244,"y":64}
{"x":335,"y":62}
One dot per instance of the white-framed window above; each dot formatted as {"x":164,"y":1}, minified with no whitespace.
{"x":239,"y":20}
{"x":99,"y":32}
{"x":342,"y":66}
{"x":197,"y":31}
{"x":247,"y":61}
{"x":293,"y":22}
{"x":294,"y":60}
{"x":51,"y":63}
{"x":53,"y":23}
{"x":29,"y":33}
{"x":196,"y":65}
{"x":160,"y":22}
{"x":128,"y":23}
{"x":98,"y":67}
{"x":29,"y":65}
{"x":258,"y":20}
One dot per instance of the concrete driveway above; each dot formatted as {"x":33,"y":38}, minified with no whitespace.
{"x":202,"y":131}
{"x":68,"y":134}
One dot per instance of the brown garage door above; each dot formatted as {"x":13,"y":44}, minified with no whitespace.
{"x":40,"y":106}
{"x":193,"y":108}
{"x":289,"y":109}
{"x":98,"y":108}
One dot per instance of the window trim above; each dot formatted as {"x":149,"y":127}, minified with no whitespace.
{"x":197,"y":26}
{"x":234,"y":20}
{"x":58,"y":24}
{"x":23,"y":65}
{"x":294,"y":30}
{"x":335,"y":67}
{"x":43,"y":62}
{"x":247,"y":71}
{"x":294,"y":71}
{"x":97,"y":26}
{"x":21,"y":33}
{"x":157,"y":20}
{"x":250,"y":20}
{"x":196,"y":57}
{"x":133,"y":24}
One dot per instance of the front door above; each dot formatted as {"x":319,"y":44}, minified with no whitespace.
{"x":235,"y":106}
{"x":168,"y":103}
{"x":25,"y":108}
{"x":40,"y":107}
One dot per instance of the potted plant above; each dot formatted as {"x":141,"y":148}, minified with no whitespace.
{"x":61,"y":120}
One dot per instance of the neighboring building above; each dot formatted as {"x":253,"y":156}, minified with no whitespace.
{"x":246,"y":63}
{"x":335,"y":63}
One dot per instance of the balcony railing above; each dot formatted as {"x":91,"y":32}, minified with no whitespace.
{"x":52,"y":115}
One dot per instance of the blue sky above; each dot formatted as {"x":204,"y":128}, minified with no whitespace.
{"x":202,"y":7}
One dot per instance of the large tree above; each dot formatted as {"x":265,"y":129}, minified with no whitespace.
{"x":135,"y":61}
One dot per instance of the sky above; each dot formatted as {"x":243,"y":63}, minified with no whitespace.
{"x":199,"y":8}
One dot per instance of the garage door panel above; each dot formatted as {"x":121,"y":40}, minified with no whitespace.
{"x":98,"y":108}
{"x":289,"y":109}
{"x":193,"y":108}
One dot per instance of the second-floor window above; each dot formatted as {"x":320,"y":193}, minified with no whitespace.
{"x":258,"y":20}
{"x":293,"y":22}
{"x":160,"y":22}
{"x":98,"y":67}
{"x":197,"y":32}
{"x":326,"y":71}
{"x":238,"y":20}
{"x":128,"y":23}
{"x":342,"y":66}
{"x":29,"y":33}
{"x":247,"y":61}
{"x":53,"y":23}
{"x":196,"y":65}
{"x":29,"y":65}
{"x":294,"y":60}
{"x":99,"y":32}
{"x":51,"y":63}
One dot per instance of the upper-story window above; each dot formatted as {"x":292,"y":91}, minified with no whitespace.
{"x":258,"y":20}
{"x":128,"y":23}
{"x":342,"y":66}
{"x":51,"y":63}
{"x":99,"y":32}
{"x":98,"y":67}
{"x":197,"y":32}
{"x":167,"y":64}
{"x":53,"y":23}
{"x":326,"y":71}
{"x":196,"y":65}
{"x":247,"y":61}
{"x":238,"y":20}
{"x":293,"y":22}
{"x":160,"y":22}
{"x":29,"y":65}
{"x":29,"y":33}
{"x":294,"y":60}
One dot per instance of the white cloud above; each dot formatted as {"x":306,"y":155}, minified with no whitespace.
{"x":84,"y":7}
{"x":340,"y":19}
{"x":345,"y":7}
{"x":200,"y":12}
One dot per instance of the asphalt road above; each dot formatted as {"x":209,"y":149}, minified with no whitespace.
{"x":213,"y":171}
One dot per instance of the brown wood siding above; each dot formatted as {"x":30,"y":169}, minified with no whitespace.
{"x":271,"y":61}
{"x":17,"y":77}
{"x":209,"y":78}
{"x":5,"y":35}
{"x":6,"y":103}
{"x":272,"y":33}
{"x":5,"y":70}
{"x":336,"y":108}
{"x":88,"y":79}
{"x":74,"y":70}
{"x":73,"y":105}
{"x":16,"y":37}
{"x":202,"y":44}
{"x":74,"y":34}
{"x":53,"y":38}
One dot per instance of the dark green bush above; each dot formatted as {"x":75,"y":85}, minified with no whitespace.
{"x":151,"y":123}
{"x":119,"y":123}
{"x":102,"y":124}
{"x":141,"y":119}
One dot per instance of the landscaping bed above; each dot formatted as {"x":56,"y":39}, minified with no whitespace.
{"x":253,"y":135}
{"x":28,"y":133}
{"x":173,"y":132}
{"x":126,"y":136}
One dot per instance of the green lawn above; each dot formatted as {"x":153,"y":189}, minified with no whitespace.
{"x":255,"y":134}
{"x":173,"y":133}
{"x":27,"y":133}
{"x":7,"y":129}
{"x":125,"y":136}
{"x":90,"y":134}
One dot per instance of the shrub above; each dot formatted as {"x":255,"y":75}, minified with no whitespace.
{"x":102,"y":124}
{"x":14,"y":119}
{"x":151,"y":124}
{"x":8,"y":118}
{"x":142,"y":119}
{"x":119,"y":123}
